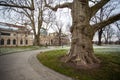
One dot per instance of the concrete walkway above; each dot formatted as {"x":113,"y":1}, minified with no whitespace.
{"x":25,"y":66}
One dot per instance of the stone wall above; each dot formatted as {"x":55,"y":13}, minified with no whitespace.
{"x":15,"y":38}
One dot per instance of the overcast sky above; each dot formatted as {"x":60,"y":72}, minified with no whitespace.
{"x":63,"y":15}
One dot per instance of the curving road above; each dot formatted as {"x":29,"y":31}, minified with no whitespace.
{"x":25,"y":66}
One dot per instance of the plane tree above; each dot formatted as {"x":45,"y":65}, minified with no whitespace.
{"x":108,"y":34}
{"x":81,"y":52}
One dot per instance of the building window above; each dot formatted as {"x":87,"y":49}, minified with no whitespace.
{"x":14,"y":42}
{"x":5,"y":34}
{"x":26,"y":41}
{"x":14,"y":34}
{"x":2,"y":41}
{"x":8,"y":42}
{"x":21,"y":41}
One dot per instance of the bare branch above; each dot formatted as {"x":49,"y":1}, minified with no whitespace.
{"x":69,"y":5}
{"x":95,"y":8}
{"x":3,"y":3}
{"x":93,"y":1}
{"x":117,"y":25}
{"x":106,"y":22}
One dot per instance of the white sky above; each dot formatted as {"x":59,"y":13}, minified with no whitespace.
{"x":63,"y":15}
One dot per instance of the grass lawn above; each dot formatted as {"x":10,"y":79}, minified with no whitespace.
{"x":109,"y":70}
{"x":7,"y":50}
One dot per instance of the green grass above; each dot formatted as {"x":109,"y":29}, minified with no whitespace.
{"x":109,"y":70}
{"x":7,"y":50}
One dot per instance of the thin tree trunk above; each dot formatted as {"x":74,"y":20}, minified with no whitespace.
{"x":36,"y":40}
{"x":106,"y":41}
{"x":59,"y":40}
{"x":100,"y":36}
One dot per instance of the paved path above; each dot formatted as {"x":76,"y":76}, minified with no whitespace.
{"x":25,"y":66}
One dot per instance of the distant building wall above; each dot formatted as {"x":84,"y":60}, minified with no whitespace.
{"x":15,"y":38}
{"x":52,"y":39}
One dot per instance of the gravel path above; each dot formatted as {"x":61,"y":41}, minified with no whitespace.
{"x":25,"y":66}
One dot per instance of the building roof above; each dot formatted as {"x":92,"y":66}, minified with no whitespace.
{"x":11,"y":25}
{"x":14,"y":28}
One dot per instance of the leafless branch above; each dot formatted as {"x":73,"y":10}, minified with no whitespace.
{"x":106,"y":22}
{"x":96,"y":7}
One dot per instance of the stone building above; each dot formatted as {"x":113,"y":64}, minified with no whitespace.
{"x":15,"y":37}
{"x":53,"y":40}
{"x":43,"y":37}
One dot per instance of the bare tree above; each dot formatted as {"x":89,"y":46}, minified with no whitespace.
{"x":58,"y":27}
{"x":35,"y":17}
{"x":117,"y":24}
{"x":104,"y":13}
{"x":108,"y":34}
{"x":118,"y":36}
{"x":49,"y":18}
{"x":81,"y":51}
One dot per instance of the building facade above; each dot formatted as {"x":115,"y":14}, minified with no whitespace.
{"x":53,"y":40}
{"x":11,"y":37}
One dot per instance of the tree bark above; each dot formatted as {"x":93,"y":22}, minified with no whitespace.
{"x":59,"y":36}
{"x":36,"y":41}
{"x":81,"y":52}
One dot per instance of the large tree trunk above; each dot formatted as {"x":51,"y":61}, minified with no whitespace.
{"x":81,"y":52}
